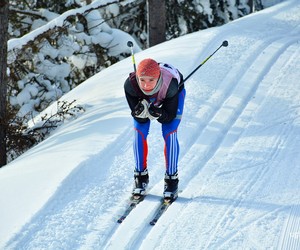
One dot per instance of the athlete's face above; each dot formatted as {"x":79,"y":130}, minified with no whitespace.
{"x":147,"y":83}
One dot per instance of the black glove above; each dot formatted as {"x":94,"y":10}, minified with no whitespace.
{"x":154,"y":112}
{"x":141,"y":109}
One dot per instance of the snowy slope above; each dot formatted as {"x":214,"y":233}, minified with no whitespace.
{"x":239,"y":162}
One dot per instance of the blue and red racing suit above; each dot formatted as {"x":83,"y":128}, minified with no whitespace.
{"x":170,"y":98}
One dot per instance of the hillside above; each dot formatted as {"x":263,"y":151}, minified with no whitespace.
{"x":239,"y":164}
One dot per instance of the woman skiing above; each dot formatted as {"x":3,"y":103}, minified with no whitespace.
{"x":155,"y":92}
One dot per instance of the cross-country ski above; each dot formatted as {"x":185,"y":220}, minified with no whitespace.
{"x":238,"y":165}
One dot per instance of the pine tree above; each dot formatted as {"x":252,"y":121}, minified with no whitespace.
{"x":156,"y":22}
{"x":3,"y":85}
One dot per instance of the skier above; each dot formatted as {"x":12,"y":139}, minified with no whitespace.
{"x":155,"y":92}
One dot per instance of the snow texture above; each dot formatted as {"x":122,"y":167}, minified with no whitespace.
{"x":239,"y":164}
{"x":66,"y":57}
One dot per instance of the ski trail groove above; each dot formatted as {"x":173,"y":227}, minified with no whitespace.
{"x":227,"y":86}
{"x":239,"y":196}
{"x":76,"y":203}
{"x":142,"y":228}
{"x":225,"y":105}
{"x":276,"y":49}
{"x":291,"y":236}
{"x":284,"y":132}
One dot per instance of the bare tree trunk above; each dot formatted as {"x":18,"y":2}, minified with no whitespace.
{"x":251,"y":4}
{"x":156,"y":22}
{"x":3,"y":78}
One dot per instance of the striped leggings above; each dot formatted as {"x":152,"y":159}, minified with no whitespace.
{"x":169,"y":132}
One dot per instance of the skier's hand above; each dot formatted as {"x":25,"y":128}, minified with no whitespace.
{"x":154,"y":112}
{"x":141,"y":109}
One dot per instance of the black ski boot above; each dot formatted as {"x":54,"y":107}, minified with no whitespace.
{"x":141,"y":180}
{"x":171,"y":187}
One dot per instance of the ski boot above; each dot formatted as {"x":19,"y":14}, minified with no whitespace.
{"x":141,"y":180}
{"x":171,"y":187}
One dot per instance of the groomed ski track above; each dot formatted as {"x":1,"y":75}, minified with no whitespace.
{"x":224,"y":195}
{"x":233,"y":109}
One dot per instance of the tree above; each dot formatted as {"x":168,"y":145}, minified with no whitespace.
{"x":156,"y":22}
{"x":77,"y":46}
{"x":81,"y":43}
{"x":3,"y":78}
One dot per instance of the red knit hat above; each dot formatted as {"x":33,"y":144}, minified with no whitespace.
{"x":148,"y":67}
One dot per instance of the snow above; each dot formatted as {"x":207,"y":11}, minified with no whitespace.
{"x":239,"y":164}
{"x":65,"y":55}
{"x":56,"y":22}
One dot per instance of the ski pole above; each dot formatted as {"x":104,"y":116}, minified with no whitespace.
{"x":224,"y":44}
{"x":130,"y":45}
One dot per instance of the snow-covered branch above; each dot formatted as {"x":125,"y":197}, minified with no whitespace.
{"x":51,"y":60}
{"x":60,"y":55}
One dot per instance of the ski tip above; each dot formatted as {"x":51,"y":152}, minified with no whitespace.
{"x":153,"y":222}
{"x":121,"y":220}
